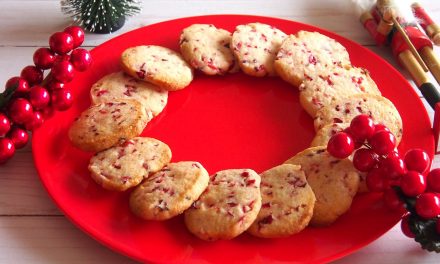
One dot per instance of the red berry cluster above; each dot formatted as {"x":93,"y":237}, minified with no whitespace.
{"x":30,"y":96}
{"x":405,"y":181}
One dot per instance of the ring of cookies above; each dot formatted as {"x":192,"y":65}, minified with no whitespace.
{"x":313,"y":187}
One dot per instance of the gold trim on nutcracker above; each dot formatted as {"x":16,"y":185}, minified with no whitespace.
{"x":365,"y":17}
{"x":432,"y":61}
{"x":384,"y":27}
{"x":407,"y":59}
{"x":433,"y":32}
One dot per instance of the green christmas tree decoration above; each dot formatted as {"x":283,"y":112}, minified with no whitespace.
{"x":100,"y":16}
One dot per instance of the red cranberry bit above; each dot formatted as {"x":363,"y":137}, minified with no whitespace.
{"x":232,"y":204}
{"x":266,"y":205}
{"x":101,"y":92}
{"x":129,"y":89}
{"x":433,"y":180}
{"x":413,"y":183}
{"x":417,"y":160}
{"x":428,"y":205}
{"x":312,"y":59}
{"x":250,"y":182}
{"x":245,"y":174}
{"x":404,"y":225}
{"x":337,"y":120}
{"x":382,"y":142}
{"x":341,"y":145}
{"x":265,"y":221}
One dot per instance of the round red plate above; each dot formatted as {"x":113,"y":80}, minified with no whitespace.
{"x":235,"y":121}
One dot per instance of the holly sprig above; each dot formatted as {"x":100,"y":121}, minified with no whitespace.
{"x":424,"y":230}
{"x":6,"y":96}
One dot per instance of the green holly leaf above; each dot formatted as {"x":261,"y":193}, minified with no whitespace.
{"x":6,"y":96}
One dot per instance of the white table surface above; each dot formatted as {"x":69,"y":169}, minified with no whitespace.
{"x":33,"y":230}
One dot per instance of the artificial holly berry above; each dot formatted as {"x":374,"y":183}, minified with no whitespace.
{"x":53,"y":85}
{"x":375,"y":180}
{"x":44,"y":58}
{"x":20,"y":111}
{"x":7,"y":149}
{"x":19,"y":137}
{"x":380,"y":127}
{"x":63,"y":57}
{"x":340,"y":145}
{"x":392,"y":200}
{"x":61,"y":42}
{"x":364,"y":159}
{"x":413,"y":183}
{"x":22,"y":85}
{"x":393,"y":166}
{"x":77,"y":34}
{"x":80,"y":59}
{"x":36,"y":121}
{"x":382,"y":142}
{"x":404,"y":225}
{"x":61,"y":99}
{"x":433,"y":180}
{"x":32,"y":75}
{"x":39,"y":97}
{"x":5,"y":125}
{"x":417,"y":160}
{"x":63,"y":71}
{"x":428,"y":205}
{"x":362,"y":127}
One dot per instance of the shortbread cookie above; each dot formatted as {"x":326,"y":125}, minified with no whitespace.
{"x":325,"y":86}
{"x":206,"y":48}
{"x":306,"y":52}
{"x":119,"y":85}
{"x":287,"y":202}
{"x":128,"y":163}
{"x":334,"y":182}
{"x":158,"y":65}
{"x":379,"y":108}
{"x":104,"y":125}
{"x":227,"y":207}
{"x":170,"y":191}
{"x":326,"y":132}
{"x":255,"y":46}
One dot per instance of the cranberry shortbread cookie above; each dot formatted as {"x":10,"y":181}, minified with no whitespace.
{"x":128,"y":163}
{"x":118,"y":85}
{"x":334,"y":181}
{"x":304,"y":53}
{"x":287,"y":202}
{"x":104,"y":125}
{"x":330,"y":84}
{"x":343,"y":110}
{"x":158,"y":65}
{"x":170,"y":191}
{"x":255,"y":46}
{"x":227,"y":207}
{"x":206,"y":48}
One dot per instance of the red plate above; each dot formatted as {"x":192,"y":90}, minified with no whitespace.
{"x":236,"y":121}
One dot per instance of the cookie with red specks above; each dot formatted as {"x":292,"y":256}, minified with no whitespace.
{"x":325,"y":86}
{"x":157,"y":65}
{"x":343,"y":110}
{"x":287,"y":202}
{"x":206,"y":48}
{"x":326,"y":132}
{"x":128,"y":163}
{"x":255,"y":46}
{"x":227,"y":207}
{"x":334,"y":182}
{"x":119,"y":85}
{"x":104,"y":125}
{"x":170,"y":191}
{"x":304,"y":53}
